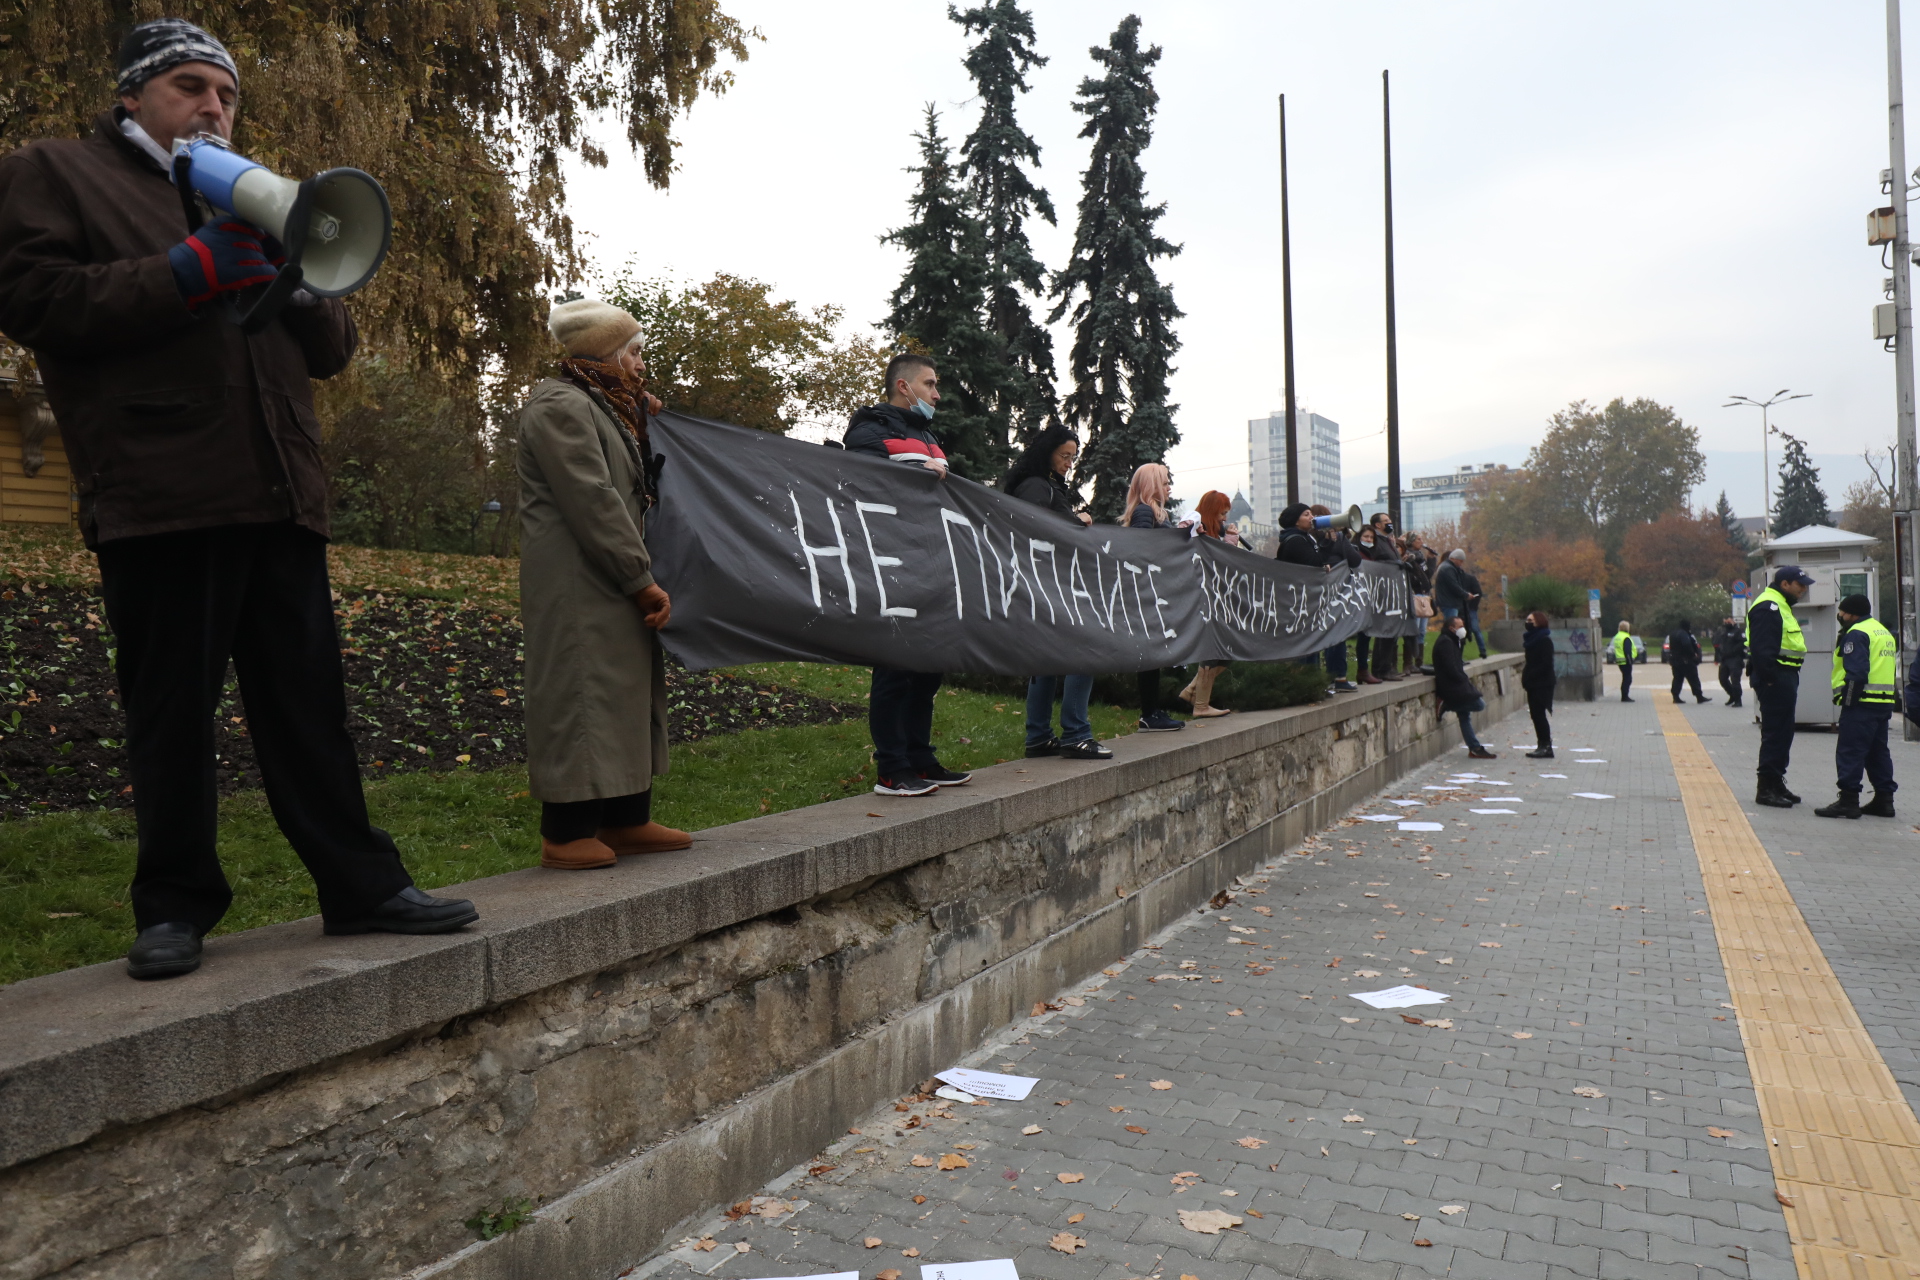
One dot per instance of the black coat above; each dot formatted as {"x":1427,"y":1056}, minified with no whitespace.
{"x":1538,"y":673}
{"x":1048,"y":491}
{"x":1730,"y":645}
{"x":1297,"y":546}
{"x":1450,"y":673}
{"x":1682,"y":649}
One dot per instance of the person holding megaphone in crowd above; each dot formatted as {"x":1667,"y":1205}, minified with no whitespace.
{"x":196,"y":455}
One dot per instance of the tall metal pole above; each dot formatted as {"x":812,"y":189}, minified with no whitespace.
{"x":1905,"y":494}
{"x":1393,"y":343}
{"x":1286,"y":316}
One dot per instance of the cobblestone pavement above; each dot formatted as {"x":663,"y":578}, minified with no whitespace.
{"x":1552,"y":1120}
{"x":1856,"y":882}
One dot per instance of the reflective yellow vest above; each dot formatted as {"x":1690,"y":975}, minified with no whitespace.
{"x":1884,"y":668}
{"x":1793,"y":645}
{"x":1626,"y":647}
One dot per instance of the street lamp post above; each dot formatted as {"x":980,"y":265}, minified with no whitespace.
{"x":1766,"y":461}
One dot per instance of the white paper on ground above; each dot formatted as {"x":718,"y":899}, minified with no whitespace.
{"x":1407,"y":804}
{"x":1553,"y":775}
{"x":1451,"y":786}
{"x":828,"y":1275}
{"x":1589,"y":761}
{"x":1423,"y":826}
{"x":1493,"y":811}
{"x":996,"y":1269}
{"x":1585,"y":748}
{"x":1495,"y":782}
{"x":1401,"y":997}
{"x":988,"y":1084}
{"x":1593,"y":795}
{"x":1466,"y":775}
{"x":1379,"y":817}
{"x":957,"y":1095}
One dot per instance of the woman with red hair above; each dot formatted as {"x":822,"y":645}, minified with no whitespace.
{"x":1212,"y":513}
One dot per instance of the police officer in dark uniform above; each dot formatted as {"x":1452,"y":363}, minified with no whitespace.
{"x":1775,"y":651}
{"x":1866,"y":670}
{"x":1683,"y":656}
{"x":1730,"y":651}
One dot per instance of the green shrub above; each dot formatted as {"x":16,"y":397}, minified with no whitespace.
{"x":1703,"y":604}
{"x":1557,"y":599}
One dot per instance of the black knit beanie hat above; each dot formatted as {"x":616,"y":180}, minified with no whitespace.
{"x":153,"y":47}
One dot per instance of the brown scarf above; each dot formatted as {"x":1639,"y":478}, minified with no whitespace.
{"x":611,"y":381}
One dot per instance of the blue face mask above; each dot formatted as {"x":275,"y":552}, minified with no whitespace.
{"x":922,"y":408}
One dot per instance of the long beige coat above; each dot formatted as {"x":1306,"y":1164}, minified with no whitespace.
{"x":595,"y":677}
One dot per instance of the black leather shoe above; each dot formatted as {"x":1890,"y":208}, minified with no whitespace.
{"x":1881,"y":806}
{"x":164,"y":951}
{"x":410,"y":911}
{"x":1051,"y":747}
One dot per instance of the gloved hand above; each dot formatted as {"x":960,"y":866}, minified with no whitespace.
{"x":224,"y":257}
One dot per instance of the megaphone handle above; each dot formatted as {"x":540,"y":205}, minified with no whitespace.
{"x":189,"y":198}
{"x":268,"y":305}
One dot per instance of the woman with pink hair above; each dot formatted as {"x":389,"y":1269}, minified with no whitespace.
{"x":1147,"y":497}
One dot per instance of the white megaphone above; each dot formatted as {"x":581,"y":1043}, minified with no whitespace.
{"x":1351,"y":520}
{"x":336,"y":226}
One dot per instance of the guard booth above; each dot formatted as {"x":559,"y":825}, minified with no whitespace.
{"x":1839,"y":564}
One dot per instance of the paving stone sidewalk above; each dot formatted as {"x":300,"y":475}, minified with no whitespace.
{"x":1551,"y":1120}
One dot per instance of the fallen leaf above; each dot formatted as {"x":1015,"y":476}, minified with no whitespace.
{"x":1075,"y":1001}
{"x":909,"y":1253}
{"x":740,"y":1210}
{"x":952,"y":1161}
{"x":1208,"y":1222}
{"x":1347,"y":1019}
{"x":1423,"y":1243}
{"x":1448,"y":960}
{"x":1352,"y":1119}
{"x":1451,"y":1209}
{"x":1414,"y":1018}
{"x":1116,"y":1110}
{"x":1064,"y":1102}
{"x":1445,"y":1024}
{"x":1066,"y":1242}
{"x":1078,"y":1217}
{"x":873,"y":1242}
{"x":1409,"y":1142}
{"x":1588,"y":1091}
{"x":1255,"y":1213}
{"x":1411,"y":1217}
{"x":1184,"y":1180}
{"x":1235,"y":1013}
{"x":706,"y":1244}
{"x":965,"y":1146}
{"x":919,"y":1199}
{"x":1366,"y":973}
{"x":1251,"y":1144}
{"x":1523,"y":1035}
{"x":1715,"y":1132}
{"x":891,"y":1273}
{"x":873,"y":815}
{"x":822,"y":1170}
{"x":1162,"y":1085}
{"x":1070,"y":1177}
{"x":1783,"y":1197}
{"x":1134,"y":1128}
{"x":1033,"y":1128}
{"x":1416,"y":951}
{"x":921,"y":1162}
{"x":769,"y":1207}
{"x":1490,"y":944}
{"x":741,"y":1246}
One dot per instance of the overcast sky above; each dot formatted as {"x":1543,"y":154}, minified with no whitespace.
{"x":1633,"y":199}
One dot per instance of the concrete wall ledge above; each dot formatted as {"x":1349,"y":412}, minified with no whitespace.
{"x":89,"y":1051}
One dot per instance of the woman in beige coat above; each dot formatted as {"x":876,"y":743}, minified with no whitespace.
{"x":595,"y":676}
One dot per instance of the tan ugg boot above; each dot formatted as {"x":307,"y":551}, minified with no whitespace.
{"x":1203,"y":694}
{"x":575,"y":855}
{"x":649,"y":837}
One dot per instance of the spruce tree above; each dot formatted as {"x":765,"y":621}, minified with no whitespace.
{"x":1800,"y":501}
{"x":939,"y":307}
{"x":1736,"y":533}
{"x":1123,"y":321}
{"x":992,"y":161}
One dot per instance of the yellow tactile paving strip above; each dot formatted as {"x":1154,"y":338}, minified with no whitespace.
{"x":1845,"y":1143}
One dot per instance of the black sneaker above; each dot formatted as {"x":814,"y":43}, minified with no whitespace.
{"x":907,"y":784}
{"x":1159,"y":722}
{"x":941,"y":776}
{"x":1051,"y":747}
{"x":1086,"y":749}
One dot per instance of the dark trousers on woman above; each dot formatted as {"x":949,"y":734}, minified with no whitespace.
{"x":573,"y":820}
{"x":900,"y":715}
{"x":181,"y":605}
{"x":1540,"y":707}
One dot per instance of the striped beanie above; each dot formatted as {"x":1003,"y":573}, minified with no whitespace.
{"x":164,"y":43}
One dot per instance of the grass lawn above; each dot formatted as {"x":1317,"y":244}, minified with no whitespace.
{"x":63,"y":877}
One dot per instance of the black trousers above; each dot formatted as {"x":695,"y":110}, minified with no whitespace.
{"x":1730,"y":680}
{"x":1686,"y":673}
{"x":1862,"y":748}
{"x":1626,"y":678}
{"x":1777,"y":700}
{"x":181,"y":605}
{"x":900,"y":715}
{"x":570,"y":820}
{"x":1540,"y":707}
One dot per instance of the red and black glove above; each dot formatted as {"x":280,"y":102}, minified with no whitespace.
{"x":224,"y":257}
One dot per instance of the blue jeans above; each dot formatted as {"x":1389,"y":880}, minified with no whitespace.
{"x":1336,"y":661}
{"x":1075,"y":691}
{"x":1474,"y":633}
{"x":1465,"y":712}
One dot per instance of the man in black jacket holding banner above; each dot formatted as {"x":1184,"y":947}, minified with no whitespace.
{"x":900,"y":704}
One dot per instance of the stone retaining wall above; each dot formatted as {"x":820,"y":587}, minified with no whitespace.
{"x":628,"y":1048}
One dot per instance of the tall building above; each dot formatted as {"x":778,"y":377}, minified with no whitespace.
{"x":1319,"y":454}
{"x":1430,"y":500}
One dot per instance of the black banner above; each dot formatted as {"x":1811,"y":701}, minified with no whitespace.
{"x":779,"y":550}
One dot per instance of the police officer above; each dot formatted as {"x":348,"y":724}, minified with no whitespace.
{"x":1730,"y":651}
{"x":1683,"y":655}
{"x":1866,"y":667}
{"x":1627,"y":650}
{"x":1775,"y":650}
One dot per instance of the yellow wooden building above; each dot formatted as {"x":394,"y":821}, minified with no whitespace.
{"x":36,"y":484}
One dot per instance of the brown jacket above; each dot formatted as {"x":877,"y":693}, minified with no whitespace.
{"x":171,"y":420}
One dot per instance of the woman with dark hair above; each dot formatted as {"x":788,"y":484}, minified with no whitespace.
{"x":1039,"y":476}
{"x":1537,"y":678}
{"x":1413,"y":559}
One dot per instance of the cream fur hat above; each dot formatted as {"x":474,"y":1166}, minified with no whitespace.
{"x":589,"y":327}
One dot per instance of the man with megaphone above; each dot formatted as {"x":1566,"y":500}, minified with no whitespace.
{"x":196,"y":455}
